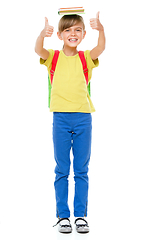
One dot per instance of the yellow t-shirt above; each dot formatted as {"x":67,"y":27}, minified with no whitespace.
{"x":69,"y":90}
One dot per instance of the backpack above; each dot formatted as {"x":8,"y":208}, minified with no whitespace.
{"x":54,"y":63}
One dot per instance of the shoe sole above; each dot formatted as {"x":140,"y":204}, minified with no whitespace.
{"x":65,"y":232}
{"x":82,"y":231}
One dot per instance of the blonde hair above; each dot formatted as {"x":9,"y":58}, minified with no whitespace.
{"x":68,"y":21}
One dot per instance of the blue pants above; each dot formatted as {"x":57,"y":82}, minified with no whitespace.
{"x":72,"y":130}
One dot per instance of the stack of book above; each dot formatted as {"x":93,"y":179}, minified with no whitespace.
{"x":70,"y":11}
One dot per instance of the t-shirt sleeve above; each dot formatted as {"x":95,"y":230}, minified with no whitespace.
{"x":48,"y":62}
{"x":90,"y":63}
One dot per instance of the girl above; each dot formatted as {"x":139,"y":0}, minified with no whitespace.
{"x":72,"y":107}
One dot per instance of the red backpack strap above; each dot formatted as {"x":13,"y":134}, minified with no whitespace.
{"x":54,"y":63}
{"x":84,"y":64}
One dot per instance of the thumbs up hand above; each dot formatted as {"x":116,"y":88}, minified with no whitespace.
{"x":96,"y":24}
{"x":48,"y":30}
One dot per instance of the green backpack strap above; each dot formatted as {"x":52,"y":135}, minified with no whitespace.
{"x":49,"y":91}
{"x":52,"y":71}
{"x":88,"y":88}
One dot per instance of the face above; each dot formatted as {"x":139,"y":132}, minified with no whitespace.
{"x":72,"y":36}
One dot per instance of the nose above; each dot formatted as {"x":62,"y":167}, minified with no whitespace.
{"x":73,"y":32}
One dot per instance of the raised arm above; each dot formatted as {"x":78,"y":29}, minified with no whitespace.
{"x":95,"y":24}
{"x":46,"y":32}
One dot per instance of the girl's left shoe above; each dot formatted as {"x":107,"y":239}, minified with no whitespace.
{"x":81,"y":225}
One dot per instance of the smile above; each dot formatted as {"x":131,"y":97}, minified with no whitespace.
{"x":73,"y":40}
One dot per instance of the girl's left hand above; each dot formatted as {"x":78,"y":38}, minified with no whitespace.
{"x":96,"y":24}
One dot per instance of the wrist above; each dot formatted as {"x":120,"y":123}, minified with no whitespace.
{"x":102,"y":29}
{"x":42,"y":34}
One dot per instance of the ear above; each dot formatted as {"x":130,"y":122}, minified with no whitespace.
{"x":59,"y":35}
{"x":84,"y":33}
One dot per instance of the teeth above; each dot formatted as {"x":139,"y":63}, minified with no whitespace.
{"x":73,"y":40}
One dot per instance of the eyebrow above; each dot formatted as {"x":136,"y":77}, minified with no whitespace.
{"x":73,"y":26}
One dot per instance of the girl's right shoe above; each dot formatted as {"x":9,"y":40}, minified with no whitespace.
{"x":64,"y":225}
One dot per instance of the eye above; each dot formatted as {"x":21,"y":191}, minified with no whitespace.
{"x":78,"y":30}
{"x":67,"y":30}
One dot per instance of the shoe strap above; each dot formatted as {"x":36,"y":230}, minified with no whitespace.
{"x":80,"y":225}
{"x":61,"y":219}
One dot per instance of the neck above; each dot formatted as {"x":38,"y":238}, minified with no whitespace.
{"x":69,"y":51}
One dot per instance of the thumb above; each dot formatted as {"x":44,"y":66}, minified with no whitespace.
{"x":97,"y":15}
{"x":46,"y":21}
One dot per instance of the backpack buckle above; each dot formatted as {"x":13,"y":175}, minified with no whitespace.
{"x":52,"y":72}
{"x":85,"y":70}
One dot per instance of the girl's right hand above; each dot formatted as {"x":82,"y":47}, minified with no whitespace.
{"x":48,"y":30}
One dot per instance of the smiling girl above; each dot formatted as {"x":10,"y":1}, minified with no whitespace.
{"x":72,"y":107}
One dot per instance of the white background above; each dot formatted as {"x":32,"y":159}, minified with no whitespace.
{"x":27,"y":201}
